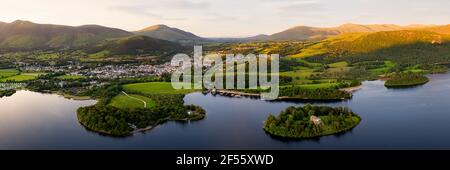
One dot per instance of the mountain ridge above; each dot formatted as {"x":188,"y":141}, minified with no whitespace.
{"x":165,"y":32}
{"x":318,"y":33}
{"x":26,"y":35}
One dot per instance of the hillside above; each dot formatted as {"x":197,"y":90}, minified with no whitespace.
{"x":315,"y":33}
{"x":260,"y":37}
{"x":405,"y":46}
{"x":168,"y":33}
{"x":137,"y":45}
{"x":25,"y":35}
{"x":303,"y":33}
{"x":444,"y":29}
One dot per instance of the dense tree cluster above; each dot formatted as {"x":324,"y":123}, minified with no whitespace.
{"x":406,"y":80}
{"x":311,"y":121}
{"x":287,"y":64}
{"x":296,"y":92}
{"x":6,"y":93}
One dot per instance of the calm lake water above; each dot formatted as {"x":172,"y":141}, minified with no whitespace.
{"x":413,"y":118}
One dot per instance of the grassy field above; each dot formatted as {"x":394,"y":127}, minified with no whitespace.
{"x":35,"y":74}
{"x":124,"y":102}
{"x":18,"y":78}
{"x":155,"y":88}
{"x":71,"y":77}
{"x":338,"y":64}
{"x":313,"y":50}
{"x":319,"y":86}
{"x":298,"y":73}
{"x":385,"y":69}
{"x":99,"y":55}
{"x":8,"y":73}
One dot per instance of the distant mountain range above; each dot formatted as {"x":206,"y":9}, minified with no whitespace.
{"x":25,"y":35}
{"x":165,"y":32}
{"x":316,"y":33}
{"x":137,"y":45}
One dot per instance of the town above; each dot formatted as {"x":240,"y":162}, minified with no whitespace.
{"x":104,"y":72}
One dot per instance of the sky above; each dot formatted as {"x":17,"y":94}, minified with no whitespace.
{"x":226,"y":18}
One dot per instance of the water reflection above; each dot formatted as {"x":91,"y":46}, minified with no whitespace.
{"x":413,"y":118}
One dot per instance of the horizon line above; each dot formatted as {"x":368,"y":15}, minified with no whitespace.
{"x":237,"y":36}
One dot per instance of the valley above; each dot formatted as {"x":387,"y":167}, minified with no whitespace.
{"x":129,"y":73}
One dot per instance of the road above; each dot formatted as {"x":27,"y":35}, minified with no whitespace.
{"x":145,"y":103}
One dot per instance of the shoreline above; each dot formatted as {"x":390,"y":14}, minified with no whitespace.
{"x":231,"y":92}
{"x":342,"y":131}
{"x":237,"y":94}
{"x":135,"y":131}
{"x":72,"y":97}
{"x":351,"y":89}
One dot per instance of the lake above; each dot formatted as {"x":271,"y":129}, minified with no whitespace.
{"x":413,"y":118}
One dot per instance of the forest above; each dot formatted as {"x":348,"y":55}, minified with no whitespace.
{"x":296,"y":92}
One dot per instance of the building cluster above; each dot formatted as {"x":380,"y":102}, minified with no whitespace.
{"x":106,"y":71}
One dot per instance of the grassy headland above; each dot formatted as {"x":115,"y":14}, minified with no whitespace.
{"x":121,"y":114}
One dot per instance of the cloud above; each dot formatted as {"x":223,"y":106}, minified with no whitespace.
{"x":191,"y":4}
{"x":162,"y":10}
{"x":306,"y":9}
{"x":299,"y":6}
{"x":169,"y":5}
{"x":219,"y":17}
{"x":144,"y":11}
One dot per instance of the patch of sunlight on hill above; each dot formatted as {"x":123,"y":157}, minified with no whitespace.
{"x":322,"y":47}
{"x":358,"y":43}
{"x":314,"y":50}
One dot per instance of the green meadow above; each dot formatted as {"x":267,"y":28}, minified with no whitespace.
{"x":155,"y":88}
{"x":18,"y":78}
{"x":8,"y":73}
{"x":132,"y":101}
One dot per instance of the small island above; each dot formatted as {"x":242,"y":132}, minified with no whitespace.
{"x":6,"y":93}
{"x":401,"y":80}
{"x":311,"y":122}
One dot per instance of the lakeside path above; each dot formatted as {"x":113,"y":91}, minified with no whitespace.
{"x":145,"y":103}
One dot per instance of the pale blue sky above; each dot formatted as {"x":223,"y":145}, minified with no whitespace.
{"x":233,"y":18}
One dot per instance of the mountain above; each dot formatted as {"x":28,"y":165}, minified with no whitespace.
{"x":381,"y":40}
{"x":260,"y":37}
{"x":443,"y":29}
{"x":316,"y":33}
{"x":168,"y":33}
{"x":404,"y":46}
{"x":303,"y":33}
{"x":137,"y":45}
{"x":25,"y":35}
